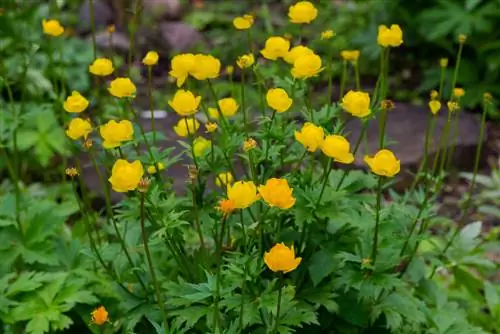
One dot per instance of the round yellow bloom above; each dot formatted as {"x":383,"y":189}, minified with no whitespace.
{"x":434,"y":106}
{"x":278,"y":99}
{"x":458,"y":92}
{"x":101,"y":67}
{"x":327,"y":34}
{"x":243,"y":22}
{"x":306,"y":66}
{"x":114,"y":133}
{"x":125,"y":176}
{"x":229,"y":69}
{"x":211,"y":127}
{"x":151,"y":58}
{"x":71,"y":172}
{"x":227,"y":106}
{"x":453,"y":106}
{"x":383,"y":163}
{"x":357,"y":103}
{"x":434,"y":94}
{"x":226,"y":206}
{"x":350,"y":55}
{"x":200,"y":146}
{"x":99,"y":316}
{"x":392,"y":37}
{"x":122,"y":87}
{"x":245,"y":61}
{"x":181,"y":66}
{"x":311,"y":136}
{"x":302,"y":12}
{"x":337,"y":148}
{"x":277,"y":192}
{"x":152,"y":168}
{"x":185,"y":103}
{"x":78,"y":128}
{"x":186,"y":127}
{"x":281,"y":258}
{"x":243,"y":194}
{"x":275,"y":47}
{"x":75,"y":103}
{"x":224,"y":179}
{"x":296,"y":52}
{"x":52,"y":28}
{"x":205,"y":67}
{"x":249,"y":144}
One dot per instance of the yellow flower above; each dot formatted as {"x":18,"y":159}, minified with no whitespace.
{"x":281,"y":258}
{"x":443,"y":62}
{"x":99,"y":316}
{"x":152,"y":168}
{"x":151,"y":58}
{"x":350,"y":55}
{"x":185,"y":103}
{"x":462,"y":38}
{"x":311,"y":136}
{"x":122,"y":87}
{"x":434,"y":106}
{"x":224,"y":179}
{"x":101,"y":67}
{"x":434,"y":94}
{"x":277,"y":192}
{"x":327,"y":34}
{"x":392,"y":37}
{"x":242,"y":193}
{"x":75,"y":103}
{"x":71,"y":172}
{"x":278,"y":99}
{"x":226,"y":206}
{"x":181,"y":66}
{"x":306,"y":66}
{"x":458,"y":92}
{"x":125,"y":176}
{"x":227,"y":106}
{"x":211,"y":127}
{"x":78,"y":128}
{"x":275,"y":47}
{"x":52,"y":28}
{"x":337,"y":148}
{"x":200,"y":146}
{"x":356,"y":103}
{"x":243,"y":22}
{"x":249,"y":144}
{"x":245,"y":61}
{"x":111,"y":28}
{"x":114,"y":133}
{"x":383,"y":163}
{"x":186,"y":127}
{"x":205,"y":67}
{"x":302,"y":12}
{"x":296,"y":52}
{"x":229,"y":69}
{"x":453,"y":106}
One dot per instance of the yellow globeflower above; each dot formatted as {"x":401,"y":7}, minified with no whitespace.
{"x":125,"y":176}
{"x":302,"y":12}
{"x":243,"y":22}
{"x":249,"y":144}
{"x":200,"y":146}
{"x":337,"y":148}
{"x":228,"y":106}
{"x":52,"y":28}
{"x":390,"y":37}
{"x":185,"y":103}
{"x":281,"y":258}
{"x":205,"y":67}
{"x":383,"y":163}
{"x":224,"y":179}
{"x":78,"y":128}
{"x":277,"y":192}
{"x":152,"y":168}
{"x":115,"y":133}
{"x":275,"y":47}
{"x":278,"y":99}
{"x":245,"y":61}
{"x":311,"y":136}
{"x":226,"y":206}
{"x":186,"y":127}
{"x":458,"y":92}
{"x":357,"y":103}
{"x":327,"y":34}
{"x":296,"y":52}
{"x":99,"y":316}
{"x":181,"y":65}
{"x":242,"y":193}
{"x":75,"y":103}
{"x":452,"y":106}
{"x":350,"y":55}
{"x":122,"y":87}
{"x":101,"y":67}
{"x":151,"y":58}
{"x":306,"y":66}
{"x":211,"y":127}
{"x":434,"y":106}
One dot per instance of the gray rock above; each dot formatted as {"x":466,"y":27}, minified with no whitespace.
{"x":103,"y":15}
{"x":121,"y":42}
{"x":163,"y":9}
{"x":179,"y":36}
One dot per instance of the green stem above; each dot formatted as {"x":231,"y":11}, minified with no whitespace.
{"x":92,"y":27}
{"x":151,"y":103}
{"x":218,"y":275}
{"x":133,"y":28}
{"x":356,"y":74}
{"x":268,"y":135}
{"x":377,"y":221}
{"x":243,"y":109}
{"x":327,"y":172}
{"x":197,"y":218}
{"x":364,"y":127}
{"x":343,"y":79}
{"x":214,"y":96}
{"x":457,"y":67}
{"x":330,"y":80}
{"x":278,"y":306}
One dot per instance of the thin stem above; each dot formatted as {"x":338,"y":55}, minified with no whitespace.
{"x":218,"y":275}
{"x":343,"y":79}
{"x":197,"y":218}
{"x":92,"y":27}
{"x":457,"y":67}
{"x":326,"y":174}
{"x":356,"y":147}
{"x":268,"y":139}
{"x":377,"y":221}
{"x":278,"y":306}
{"x":134,"y":24}
{"x":214,"y":96}
{"x":151,"y":103}
{"x":356,"y":75}
{"x":330,"y":80}
{"x":242,"y":303}
{"x":243,"y":108}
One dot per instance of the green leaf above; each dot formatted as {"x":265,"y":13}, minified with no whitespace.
{"x":38,"y":325}
{"x":322,"y":265}
{"x":491,"y":296}
{"x":26,"y":139}
{"x":470,"y":281}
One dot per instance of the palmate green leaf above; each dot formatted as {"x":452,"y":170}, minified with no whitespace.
{"x":189,"y":316}
{"x":321,"y":265}
{"x":38,"y":325}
